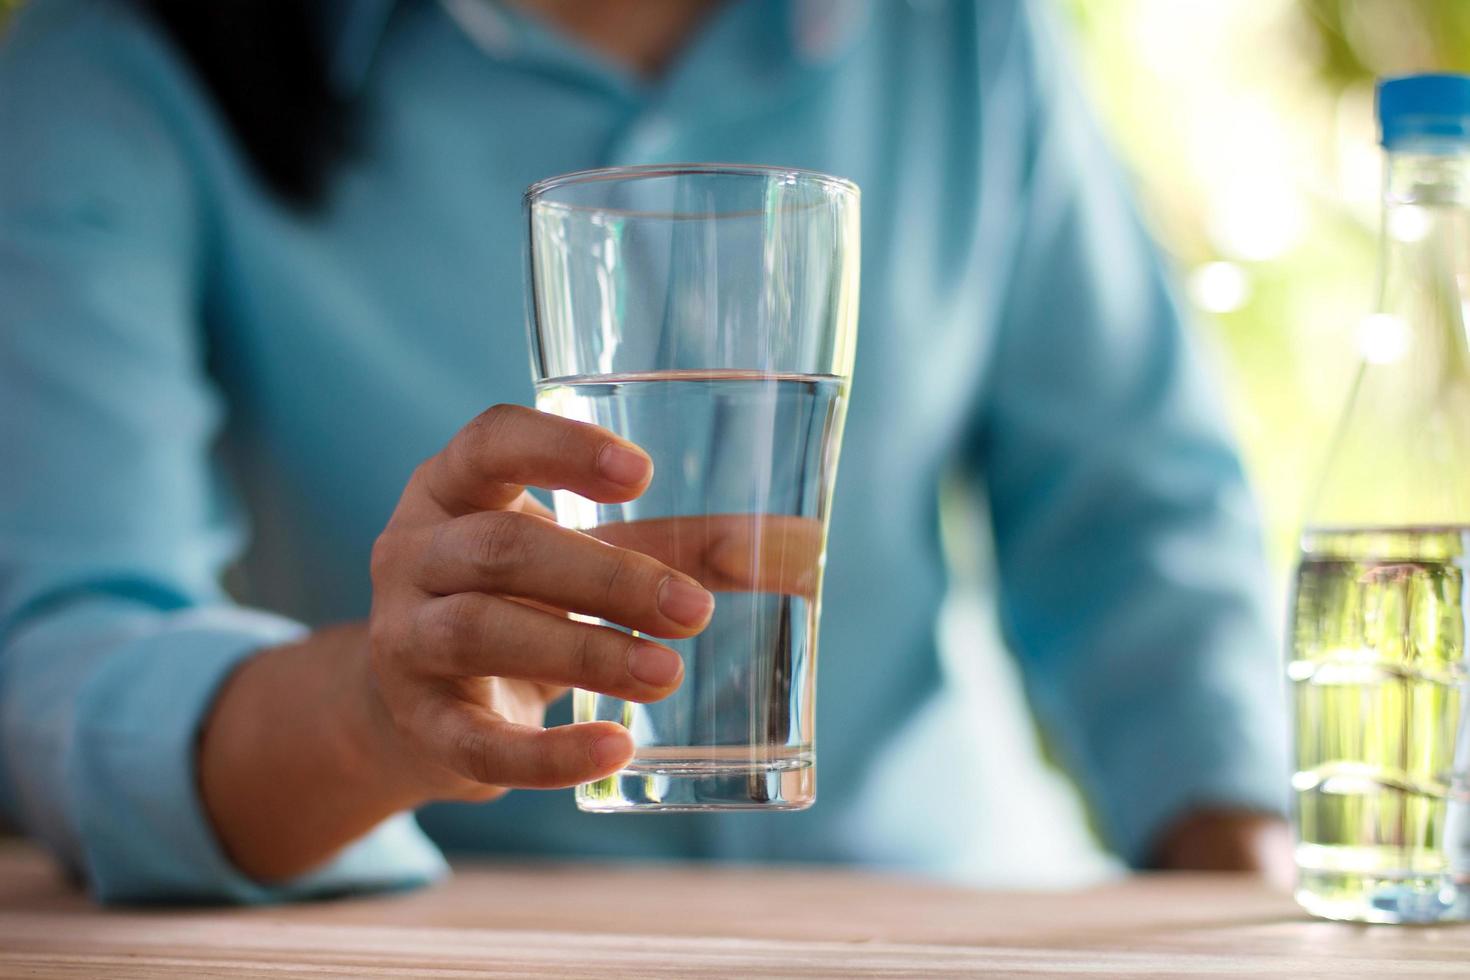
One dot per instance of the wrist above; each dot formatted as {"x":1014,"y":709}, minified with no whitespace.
{"x":295,"y":761}
{"x":369,"y":743}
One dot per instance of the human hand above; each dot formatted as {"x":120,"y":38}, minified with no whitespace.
{"x":472,"y":579}
{"x":441,"y":694}
{"x":1229,"y":840}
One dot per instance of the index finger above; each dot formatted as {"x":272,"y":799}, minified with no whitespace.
{"x":508,"y":447}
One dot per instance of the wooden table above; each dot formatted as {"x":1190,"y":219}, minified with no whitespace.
{"x":680,"y":921}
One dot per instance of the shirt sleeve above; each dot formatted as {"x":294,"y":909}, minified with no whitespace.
{"x":1133,"y":587}
{"x":115,"y":522}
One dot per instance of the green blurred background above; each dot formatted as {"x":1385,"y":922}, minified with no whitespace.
{"x":1248,"y":126}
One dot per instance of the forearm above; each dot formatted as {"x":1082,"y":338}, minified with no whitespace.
{"x":310,"y":745}
{"x":295,"y":760}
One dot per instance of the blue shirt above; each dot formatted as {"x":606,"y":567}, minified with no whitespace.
{"x":195,"y":378}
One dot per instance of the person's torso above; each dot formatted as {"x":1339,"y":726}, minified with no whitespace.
{"x":351,"y":345}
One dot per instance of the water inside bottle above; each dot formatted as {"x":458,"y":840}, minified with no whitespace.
{"x":1378,"y":673}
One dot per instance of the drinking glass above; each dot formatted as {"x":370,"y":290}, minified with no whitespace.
{"x":708,"y":314}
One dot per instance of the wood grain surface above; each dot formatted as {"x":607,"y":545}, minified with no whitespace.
{"x":575,"y":920}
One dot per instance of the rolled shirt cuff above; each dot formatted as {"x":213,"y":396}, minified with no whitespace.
{"x":131,"y":774}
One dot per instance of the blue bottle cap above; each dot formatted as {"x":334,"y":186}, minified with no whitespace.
{"x":1424,"y":111}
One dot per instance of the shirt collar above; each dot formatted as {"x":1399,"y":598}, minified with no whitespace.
{"x":352,"y":31}
{"x":822,"y":30}
{"x":818,"y":31}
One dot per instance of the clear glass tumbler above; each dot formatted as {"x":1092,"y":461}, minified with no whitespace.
{"x":708,"y":314}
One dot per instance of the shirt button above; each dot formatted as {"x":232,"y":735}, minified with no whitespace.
{"x":650,"y":136}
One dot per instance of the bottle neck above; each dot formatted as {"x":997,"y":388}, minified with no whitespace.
{"x":1401,"y":454}
{"x":1426,"y":235}
{"x":1427,"y":177}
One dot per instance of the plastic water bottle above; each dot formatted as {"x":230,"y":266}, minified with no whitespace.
{"x":1377,"y":658}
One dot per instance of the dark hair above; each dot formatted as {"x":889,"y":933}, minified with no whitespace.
{"x":265,"y":64}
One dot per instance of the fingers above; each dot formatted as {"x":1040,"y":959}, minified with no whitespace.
{"x":473,"y":635}
{"x":507,"y":447}
{"x":528,"y":504}
{"x":730,"y":552}
{"x":530,"y":557}
{"x":488,"y":749}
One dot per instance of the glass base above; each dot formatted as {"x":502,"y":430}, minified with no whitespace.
{"x":1359,"y":897}
{"x":673,"y":783}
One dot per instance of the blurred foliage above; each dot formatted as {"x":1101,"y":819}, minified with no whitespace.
{"x":1249,"y":127}
{"x":1359,"y":39}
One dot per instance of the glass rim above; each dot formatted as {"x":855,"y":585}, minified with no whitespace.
{"x":536,"y":194}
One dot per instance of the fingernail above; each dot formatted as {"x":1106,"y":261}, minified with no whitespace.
{"x":654,"y":665}
{"x":623,"y":465}
{"x":610,"y":750}
{"x":684,"y":603}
